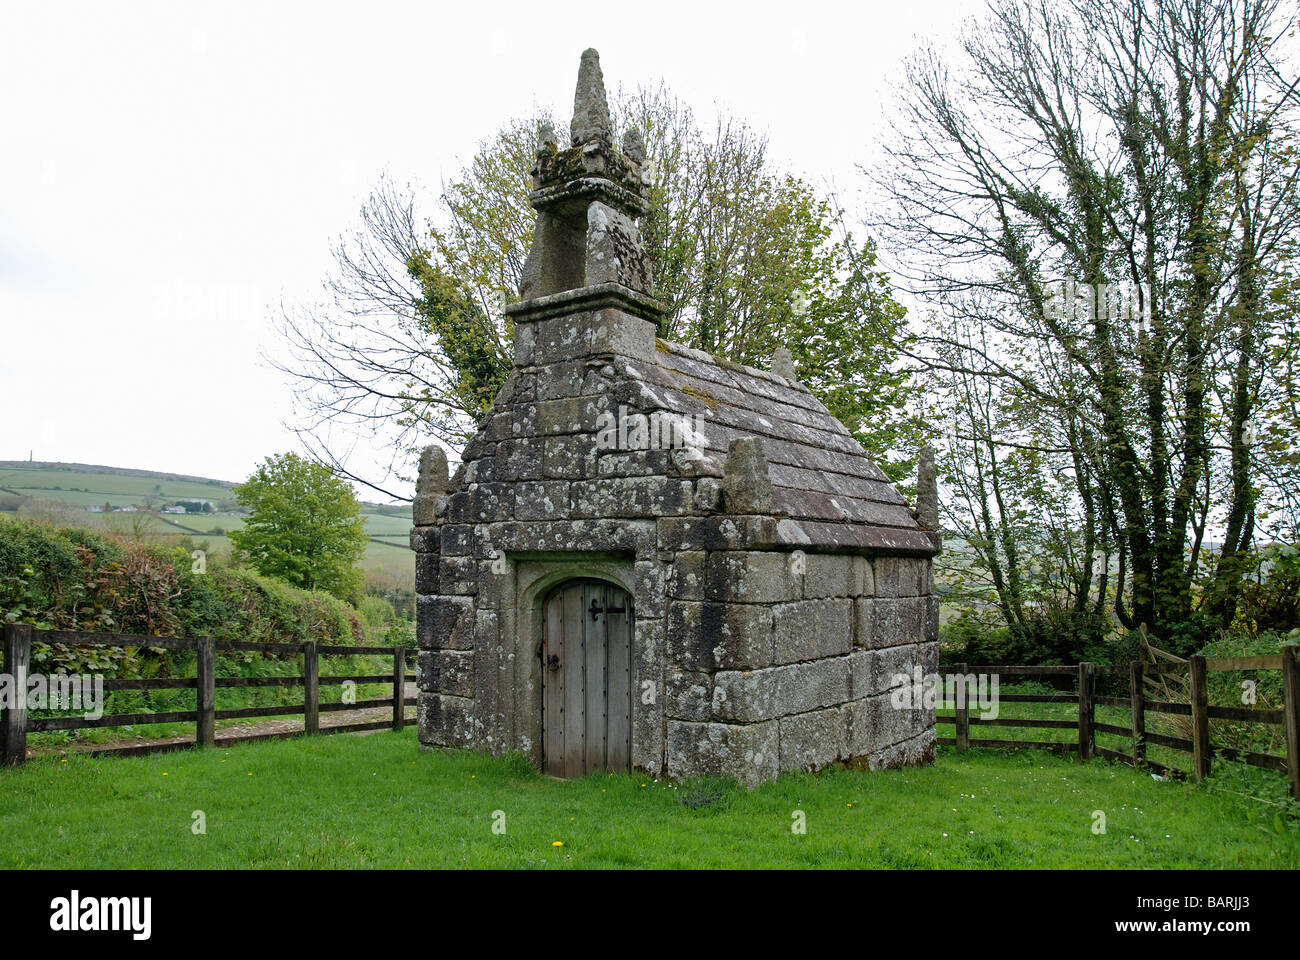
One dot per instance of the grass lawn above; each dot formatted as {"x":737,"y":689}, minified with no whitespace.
{"x":380,"y":801}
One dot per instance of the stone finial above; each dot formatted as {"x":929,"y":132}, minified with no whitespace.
{"x":783,"y":363}
{"x":746,"y":482}
{"x":927,"y":490}
{"x":590,"y":110}
{"x":429,"y":485}
{"x":546,"y":135}
{"x":634,"y":145}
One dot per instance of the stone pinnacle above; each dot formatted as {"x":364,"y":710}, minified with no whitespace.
{"x":590,"y":110}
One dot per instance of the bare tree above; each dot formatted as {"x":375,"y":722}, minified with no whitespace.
{"x":1140,"y":147}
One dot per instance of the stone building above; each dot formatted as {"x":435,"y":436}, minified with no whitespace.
{"x":652,"y":558}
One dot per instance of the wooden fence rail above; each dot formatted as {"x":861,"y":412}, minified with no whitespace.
{"x":15,"y":724}
{"x":1201,"y":712}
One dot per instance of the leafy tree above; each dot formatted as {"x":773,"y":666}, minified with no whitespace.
{"x":305,"y":527}
{"x":412,"y":338}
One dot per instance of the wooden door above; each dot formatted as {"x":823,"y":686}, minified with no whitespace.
{"x":586,"y":679}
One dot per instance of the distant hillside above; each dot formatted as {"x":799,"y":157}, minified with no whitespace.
{"x":113,"y":498}
{"x":100,"y":468}
{"x":32,"y":470}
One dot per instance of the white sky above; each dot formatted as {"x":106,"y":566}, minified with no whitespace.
{"x":172,"y":171}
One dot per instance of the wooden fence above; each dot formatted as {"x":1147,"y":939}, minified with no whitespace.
{"x":1199,"y":709}
{"x":15,"y":724}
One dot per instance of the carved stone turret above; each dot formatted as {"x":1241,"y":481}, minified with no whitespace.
{"x":587,"y":252}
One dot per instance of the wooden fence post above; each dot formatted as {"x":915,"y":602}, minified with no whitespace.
{"x":962,"y":721}
{"x":1200,"y":697}
{"x":399,"y":687}
{"x":1291,"y":700}
{"x":205,"y":727}
{"x":311,"y":687}
{"x":18,"y":658}
{"x":1086,"y":738}
{"x":1137,"y":698}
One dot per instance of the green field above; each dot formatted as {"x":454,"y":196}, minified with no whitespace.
{"x":62,"y":492}
{"x":380,"y":801}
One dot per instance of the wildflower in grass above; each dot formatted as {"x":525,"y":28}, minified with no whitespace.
{"x":558,"y":843}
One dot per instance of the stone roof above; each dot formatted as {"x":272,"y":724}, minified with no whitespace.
{"x":826,"y":490}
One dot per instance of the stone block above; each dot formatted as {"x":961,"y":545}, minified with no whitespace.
{"x":654,"y":496}
{"x":745,"y":695}
{"x":828,"y":575}
{"x":747,"y":753}
{"x":877,"y":671}
{"x":519,"y":458}
{"x":899,"y":576}
{"x":446,"y":671}
{"x":863,"y":613}
{"x":810,"y":741}
{"x":457,"y":539}
{"x":425,"y":539}
{"x":458,"y":576}
{"x":569,"y":458}
{"x":864,"y":582}
{"x":875,"y":723}
{"x":747,"y":576}
{"x":426,"y":573}
{"x":448,"y":721}
{"x":737,"y":635}
{"x":542,"y":500}
{"x":801,"y":687}
{"x":686,"y":579}
{"x":811,"y":629}
{"x":444,"y":622}
{"x":896,"y":621}
{"x":688,"y":695}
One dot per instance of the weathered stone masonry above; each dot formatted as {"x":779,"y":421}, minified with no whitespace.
{"x":779,"y":583}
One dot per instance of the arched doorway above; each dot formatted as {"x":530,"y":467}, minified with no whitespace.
{"x":586,"y":678}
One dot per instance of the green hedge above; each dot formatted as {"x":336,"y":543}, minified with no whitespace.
{"x":76,"y":579}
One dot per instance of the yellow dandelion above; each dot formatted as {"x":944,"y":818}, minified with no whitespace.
{"x":558,"y":843}
{"x":164,"y":773}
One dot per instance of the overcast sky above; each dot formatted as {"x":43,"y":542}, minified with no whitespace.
{"x":171,"y":172}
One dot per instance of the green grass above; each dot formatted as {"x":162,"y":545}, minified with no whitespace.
{"x":1253,"y":781}
{"x":380,"y":801}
